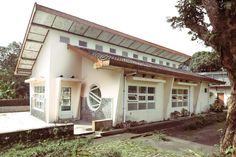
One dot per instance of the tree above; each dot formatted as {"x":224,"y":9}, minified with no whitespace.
{"x":11,"y":86}
{"x":213,"y":21}
{"x":204,"y":61}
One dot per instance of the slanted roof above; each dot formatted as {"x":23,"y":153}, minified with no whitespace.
{"x":43,"y":19}
{"x":120,"y":61}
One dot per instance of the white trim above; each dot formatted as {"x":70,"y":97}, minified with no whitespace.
{"x":35,"y":80}
{"x":187,"y":84}
{"x":147,"y":79}
{"x":69,"y":79}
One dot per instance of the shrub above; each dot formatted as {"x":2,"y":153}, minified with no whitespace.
{"x":111,"y":153}
{"x":217,"y":106}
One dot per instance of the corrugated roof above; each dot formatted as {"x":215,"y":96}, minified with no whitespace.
{"x":125,"y":62}
{"x":43,"y":19}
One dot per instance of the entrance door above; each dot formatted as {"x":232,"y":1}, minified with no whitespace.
{"x":65,"y":103}
{"x":220,"y":97}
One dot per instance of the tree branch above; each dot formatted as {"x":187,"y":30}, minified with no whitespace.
{"x":211,"y":7}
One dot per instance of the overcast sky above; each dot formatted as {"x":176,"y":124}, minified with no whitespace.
{"x":145,"y":19}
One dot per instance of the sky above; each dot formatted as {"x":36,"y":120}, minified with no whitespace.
{"x":145,"y":19}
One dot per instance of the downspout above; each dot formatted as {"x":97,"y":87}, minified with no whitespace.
{"x":189,"y":97}
{"x":124,"y":99}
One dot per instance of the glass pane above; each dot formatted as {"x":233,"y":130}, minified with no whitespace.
{"x":65,"y":108}
{"x":174,"y":97}
{"x":151,"y":90}
{"x":180,"y":104}
{"x":185,"y":91}
{"x":174,"y":104}
{"x":132,"y":89}
{"x":150,"y":97}
{"x":185,"y":103}
{"x":180,"y":91}
{"x":132,"y":106}
{"x":142,"y":89}
{"x":180,"y":98}
{"x":185,"y":97}
{"x":142,"y":98}
{"x":151,"y":105}
{"x":174,"y":91}
{"x":142,"y":106}
{"x":132,"y":97}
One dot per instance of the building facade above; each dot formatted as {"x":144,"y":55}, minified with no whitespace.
{"x":84,"y":71}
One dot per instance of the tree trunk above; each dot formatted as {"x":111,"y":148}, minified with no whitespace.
{"x":229,"y":138}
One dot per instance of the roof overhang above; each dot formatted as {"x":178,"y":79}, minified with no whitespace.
{"x":43,"y":19}
{"x":120,"y":61}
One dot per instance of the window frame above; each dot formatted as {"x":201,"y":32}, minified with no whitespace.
{"x":140,"y":98}
{"x":81,"y":42}
{"x":39,"y":97}
{"x":180,"y":95}
{"x":63,"y":39}
{"x":97,"y":46}
{"x":112,"y":50}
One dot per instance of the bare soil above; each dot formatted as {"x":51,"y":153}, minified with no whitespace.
{"x":209,"y":135}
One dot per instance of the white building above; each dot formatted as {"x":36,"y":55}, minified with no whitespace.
{"x":84,"y":71}
{"x":220,"y":91}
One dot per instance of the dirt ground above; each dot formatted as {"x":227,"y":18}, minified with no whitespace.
{"x":209,"y":135}
{"x":201,"y":141}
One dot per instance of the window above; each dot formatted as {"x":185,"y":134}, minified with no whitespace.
{"x":179,"y":97}
{"x":112,"y":50}
{"x":65,"y":98}
{"x":174,"y":65}
{"x":124,"y":54}
{"x":98,"y":48}
{"x":39,"y":97}
{"x":94,"y":98}
{"x":144,"y":58}
{"x":153,"y":60}
{"x":65,"y":40}
{"x":161,"y":62}
{"x":167,"y":64}
{"x":135,"y":56}
{"x":141,"y":98}
{"x":82,"y":43}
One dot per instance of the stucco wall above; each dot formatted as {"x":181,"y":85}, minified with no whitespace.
{"x":203,"y":102}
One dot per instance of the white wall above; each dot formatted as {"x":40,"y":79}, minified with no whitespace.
{"x":203,"y":102}
{"x":74,"y":40}
{"x":214,"y":91}
{"x":41,"y":69}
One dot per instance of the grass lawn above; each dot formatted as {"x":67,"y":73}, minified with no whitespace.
{"x":180,"y":143}
{"x":83,"y":147}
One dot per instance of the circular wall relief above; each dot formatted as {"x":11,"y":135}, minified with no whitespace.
{"x":94,"y":98}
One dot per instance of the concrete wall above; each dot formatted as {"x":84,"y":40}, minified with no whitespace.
{"x":5,"y":109}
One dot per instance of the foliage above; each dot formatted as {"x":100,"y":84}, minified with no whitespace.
{"x":213,"y":21}
{"x":202,"y":121}
{"x":217,"y":106}
{"x":11,"y":86}
{"x":204,"y":61}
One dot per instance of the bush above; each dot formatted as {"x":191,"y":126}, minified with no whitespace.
{"x":111,"y":153}
{"x":217,"y":106}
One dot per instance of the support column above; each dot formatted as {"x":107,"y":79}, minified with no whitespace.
{"x":167,"y":96}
